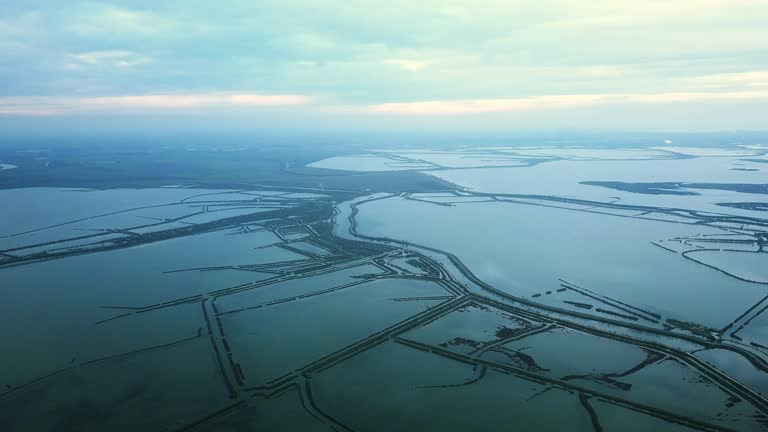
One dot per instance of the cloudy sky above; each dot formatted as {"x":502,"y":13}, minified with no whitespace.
{"x":621,"y":64}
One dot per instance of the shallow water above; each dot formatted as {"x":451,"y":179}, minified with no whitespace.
{"x":538,"y":312}
{"x":526,"y":250}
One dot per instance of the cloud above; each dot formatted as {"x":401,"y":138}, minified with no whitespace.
{"x":42,"y":105}
{"x":454,"y":56}
{"x":555,"y":102}
{"x":407,"y":65}
{"x":742,"y":80}
{"x":599,"y":71}
{"x":110,"y":58}
{"x":25,"y":111}
{"x":602,"y":14}
{"x":113,"y":21}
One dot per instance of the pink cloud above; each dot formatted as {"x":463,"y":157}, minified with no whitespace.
{"x":42,"y":105}
{"x":536,"y":103}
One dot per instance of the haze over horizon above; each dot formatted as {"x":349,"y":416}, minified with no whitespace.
{"x":475,"y":65}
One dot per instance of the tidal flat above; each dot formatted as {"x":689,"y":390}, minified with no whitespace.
{"x":551,"y":288}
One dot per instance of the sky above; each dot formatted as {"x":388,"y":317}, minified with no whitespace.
{"x":681,"y":65}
